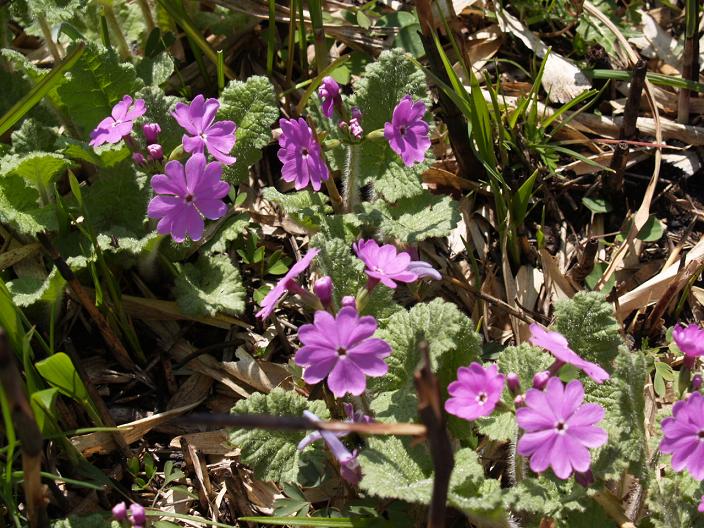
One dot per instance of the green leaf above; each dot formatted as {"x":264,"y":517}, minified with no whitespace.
{"x":597,"y":205}
{"x":96,"y":83}
{"x":19,"y":207}
{"x":524,"y":360}
{"x":500,"y":426}
{"x":413,"y":219}
{"x":652,"y":230}
{"x":42,"y":403}
{"x":54,"y":11}
{"x":155,"y":71}
{"x":59,"y":372}
{"x":209,"y":286}
{"x":33,"y":135}
{"x":231,"y":229}
{"x":273,"y":454}
{"x":253,"y":107}
{"x":27,"y":291}
{"x":399,"y":181}
{"x":306,"y":208}
{"x":673,"y":500}
{"x":40,"y":168}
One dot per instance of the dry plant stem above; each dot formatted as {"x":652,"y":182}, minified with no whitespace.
{"x":614,"y":182}
{"x":585,"y":265}
{"x":121,"y":354}
{"x":613,"y":509}
{"x":46,"y":31}
{"x":116,"y":30}
{"x":147,"y":12}
{"x":430,"y":412}
{"x":469,"y":165}
{"x":299,"y":423}
{"x":337,"y":203}
{"x":28,"y":433}
{"x":501,"y":305}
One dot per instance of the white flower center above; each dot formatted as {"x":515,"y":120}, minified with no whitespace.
{"x":561,"y":427}
{"x":481,"y":398}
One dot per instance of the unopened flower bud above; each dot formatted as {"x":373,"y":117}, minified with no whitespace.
{"x":356,"y":123}
{"x":584,"y":478}
{"x":139,"y":159}
{"x":155,"y":152}
{"x":323,"y":289}
{"x":519,"y":400}
{"x":541,"y":379}
{"x":348,"y":300}
{"x":151,"y":132}
{"x":139,"y":516}
{"x":697,"y":382}
{"x":514,"y":383}
{"x":119,"y":511}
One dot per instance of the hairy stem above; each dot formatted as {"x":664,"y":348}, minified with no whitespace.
{"x":351,"y":175}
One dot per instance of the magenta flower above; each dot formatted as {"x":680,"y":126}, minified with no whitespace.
{"x":119,"y":511}
{"x":384,"y":263}
{"x":407,"y":133}
{"x":268,"y":304}
{"x":423,"y":270}
{"x":559,"y":428}
{"x":349,"y":466}
{"x":700,"y":508}
{"x":186,"y":194}
{"x":323,"y":288}
{"x":202,"y":132}
{"x":139,"y":515}
{"x":356,"y":123}
{"x":352,"y":417}
{"x":151,"y":132}
{"x":684,"y":435}
{"x":119,"y":124}
{"x":476,"y":391}
{"x":690,"y":340}
{"x":343,"y":349}
{"x":557,"y":345}
{"x":329,"y":92}
{"x":300,"y":153}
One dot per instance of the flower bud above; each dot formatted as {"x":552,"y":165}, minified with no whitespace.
{"x":139,"y":159}
{"x":541,"y":379}
{"x":348,"y":300}
{"x":139,"y":516}
{"x":584,"y":478}
{"x":519,"y":400}
{"x":356,"y":123}
{"x":155,"y":152}
{"x":514,"y":383}
{"x":151,"y":132}
{"x":323,"y":289}
{"x":696,"y":382}
{"x":119,"y":511}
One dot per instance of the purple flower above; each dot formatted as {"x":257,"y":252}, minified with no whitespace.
{"x":690,"y":340}
{"x":198,"y":121}
{"x":155,"y":152}
{"x":119,"y":124}
{"x":268,"y":304}
{"x":119,"y":511}
{"x":384,"y":263}
{"x":684,"y":435}
{"x":476,"y":391}
{"x":343,"y":349}
{"x":423,"y":269}
{"x":349,"y":466}
{"x":139,"y":159}
{"x":559,"y":428}
{"x":139,"y":516}
{"x":514,"y":383}
{"x":700,"y":508}
{"x":348,"y":300}
{"x":352,"y":417}
{"x":356,"y":123}
{"x":407,"y":133}
{"x":300,"y":153}
{"x":323,"y":289}
{"x":151,"y":132}
{"x":697,"y":382}
{"x":186,"y":194}
{"x":557,"y":345}
{"x":329,"y":92}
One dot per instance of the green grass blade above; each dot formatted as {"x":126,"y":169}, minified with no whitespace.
{"x":271,"y":38}
{"x":43,"y":87}
{"x":331,"y":522}
{"x":655,"y":78}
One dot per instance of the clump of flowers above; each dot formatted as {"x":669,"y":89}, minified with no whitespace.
{"x":300,"y":154}
{"x":476,"y":391}
{"x":559,"y":429}
{"x":684,"y":435}
{"x":407,"y":133}
{"x":342,"y":349}
{"x":119,"y":123}
{"x":203,"y":132}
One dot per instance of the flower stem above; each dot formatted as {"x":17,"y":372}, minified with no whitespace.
{"x":46,"y":31}
{"x":334,"y":195}
{"x":114,"y":24}
{"x":352,"y":167}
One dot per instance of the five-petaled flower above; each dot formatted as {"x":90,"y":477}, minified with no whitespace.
{"x":342,"y":348}
{"x":559,"y":428}
{"x":690,"y":340}
{"x":684,"y":435}
{"x":119,"y":124}
{"x":384,"y":263}
{"x":287,"y":282}
{"x":329,"y":92}
{"x":203,"y":132}
{"x":407,"y":133}
{"x":557,"y":345}
{"x":476,"y":391}
{"x":300,"y":154}
{"x":186,"y":194}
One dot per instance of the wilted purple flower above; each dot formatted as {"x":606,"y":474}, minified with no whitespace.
{"x":119,"y":511}
{"x":268,"y":304}
{"x":557,"y":345}
{"x":151,"y":132}
{"x":186,"y":194}
{"x":323,"y":289}
{"x":559,"y":428}
{"x":343,"y":349}
{"x":356,"y":123}
{"x":700,"y":508}
{"x":476,"y":391}
{"x":423,"y":270}
{"x":407,"y":133}
{"x":155,"y":152}
{"x":349,"y":466}
{"x":384,"y":263}
{"x":197,"y":119}
{"x":119,"y":124}
{"x":690,"y":340}
{"x":329,"y":92}
{"x":139,"y":515}
{"x":139,"y":159}
{"x":300,"y":153}
{"x":697,"y":382}
{"x":684,"y":435}
{"x":352,"y":417}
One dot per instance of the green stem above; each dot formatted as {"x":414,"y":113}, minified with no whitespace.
{"x":322,"y":59}
{"x":352,"y":169}
{"x":46,"y":31}
{"x":122,"y":46}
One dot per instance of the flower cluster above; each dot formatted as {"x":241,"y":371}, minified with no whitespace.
{"x":137,"y":514}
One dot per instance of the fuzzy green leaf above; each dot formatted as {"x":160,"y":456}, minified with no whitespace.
{"x":27,"y":291}
{"x":155,"y":71}
{"x":19,"y":207}
{"x":273,"y":454}
{"x":306,"y":208}
{"x":524,"y":360}
{"x":399,"y":181}
{"x":40,"y":168}
{"x":96,"y":83}
{"x":209,"y":286}
{"x":33,"y":135}
{"x":499,"y":426}
{"x":673,"y":501}
{"x":253,"y":107}
{"x":231,"y":229}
